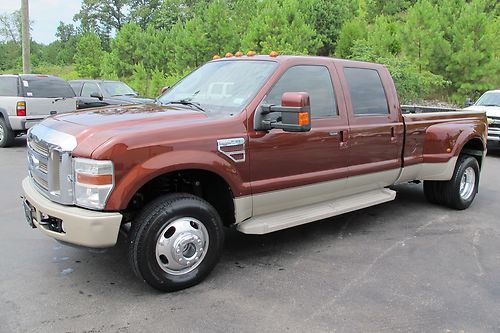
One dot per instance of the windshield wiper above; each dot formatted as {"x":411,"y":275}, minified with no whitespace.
{"x":188,"y":103}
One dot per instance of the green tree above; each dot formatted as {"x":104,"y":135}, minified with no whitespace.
{"x":327,"y":18}
{"x":281,"y":26}
{"x":424,"y":41}
{"x":220,"y":30}
{"x":102,"y":17}
{"x":352,"y":31}
{"x":88,"y":56}
{"x":474,"y":64}
{"x":128,"y":49}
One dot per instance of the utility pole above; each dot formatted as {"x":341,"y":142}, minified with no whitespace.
{"x":25,"y":15}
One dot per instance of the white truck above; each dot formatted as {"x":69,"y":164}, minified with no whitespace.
{"x":27,"y":99}
{"x":489,"y":102}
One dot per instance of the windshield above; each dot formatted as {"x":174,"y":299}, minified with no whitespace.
{"x":489,"y":99}
{"x":221,"y":86}
{"x":117,"y":89}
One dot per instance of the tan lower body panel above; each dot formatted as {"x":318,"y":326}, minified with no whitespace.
{"x":428,"y":171}
{"x":82,"y":226}
{"x":293,"y":217}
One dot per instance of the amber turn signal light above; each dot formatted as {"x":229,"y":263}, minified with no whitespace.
{"x":83,"y":178}
{"x":21,"y":109}
{"x":303,"y":118}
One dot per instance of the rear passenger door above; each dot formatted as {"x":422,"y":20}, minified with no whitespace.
{"x":376,"y":130}
{"x":289,"y":170}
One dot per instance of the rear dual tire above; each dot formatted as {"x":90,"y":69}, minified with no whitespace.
{"x":458,"y":192}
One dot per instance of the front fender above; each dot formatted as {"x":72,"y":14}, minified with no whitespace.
{"x":172,"y":161}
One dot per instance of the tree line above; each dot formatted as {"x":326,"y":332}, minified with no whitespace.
{"x":442,"y":49}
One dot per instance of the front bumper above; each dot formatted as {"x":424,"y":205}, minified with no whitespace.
{"x":80,"y":226}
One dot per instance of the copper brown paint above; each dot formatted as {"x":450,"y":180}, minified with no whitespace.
{"x":149,"y":140}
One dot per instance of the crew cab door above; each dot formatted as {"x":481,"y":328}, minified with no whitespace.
{"x":294,"y":169}
{"x":376,"y":129}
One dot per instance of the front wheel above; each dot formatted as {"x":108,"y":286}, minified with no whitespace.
{"x":176,"y":241}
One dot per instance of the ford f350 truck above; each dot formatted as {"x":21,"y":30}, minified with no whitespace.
{"x":258,"y":143}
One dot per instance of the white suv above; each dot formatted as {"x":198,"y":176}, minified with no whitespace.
{"x":490,"y":103}
{"x":26,"y":99}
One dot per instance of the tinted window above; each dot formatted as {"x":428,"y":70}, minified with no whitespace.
{"x":89,"y":88}
{"x":46,"y":87}
{"x":314,"y":80}
{"x":117,"y":89}
{"x":367,"y":93}
{"x":8,"y":86}
{"x":76,"y":86}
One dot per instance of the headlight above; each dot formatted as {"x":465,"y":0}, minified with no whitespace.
{"x":94,"y":181}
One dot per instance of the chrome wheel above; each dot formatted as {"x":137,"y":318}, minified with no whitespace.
{"x":181,"y":246}
{"x":467,"y":183}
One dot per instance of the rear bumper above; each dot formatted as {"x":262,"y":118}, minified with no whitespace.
{"x":23,"y":123}
{"x":81,"y":227}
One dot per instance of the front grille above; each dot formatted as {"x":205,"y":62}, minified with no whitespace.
{"x":49,"y":164}
{"x":39,"y":148}
{"x":41,"y":182}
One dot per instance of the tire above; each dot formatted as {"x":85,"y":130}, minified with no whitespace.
{"x":6,"y":134}
{"x":168,"y":242}
{"x":466,"y":174}
{"x":431,"y":191}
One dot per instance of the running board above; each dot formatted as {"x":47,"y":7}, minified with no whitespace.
{"x":293,"y":217}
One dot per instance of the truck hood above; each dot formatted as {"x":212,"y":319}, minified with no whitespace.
{"x":491,"y":111}
{"x":93,"y":127}
{"x":130,"y":100}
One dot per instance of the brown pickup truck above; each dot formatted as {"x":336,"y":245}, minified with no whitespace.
{"x":258,"y":143}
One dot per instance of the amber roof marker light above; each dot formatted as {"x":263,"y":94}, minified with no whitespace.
{"x":215,"y":57}
{"x":229,"y":55}
{"x":238,"y":54}
{"x":274,"y":54}
{"x":250,"y":53}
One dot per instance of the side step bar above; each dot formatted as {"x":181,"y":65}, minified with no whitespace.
{"x":301,"y":215}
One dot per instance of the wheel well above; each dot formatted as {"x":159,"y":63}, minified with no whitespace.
{"x":475,"y":148}
{"x":204,"y":184}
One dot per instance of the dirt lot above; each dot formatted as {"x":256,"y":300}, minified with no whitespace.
{"x":401,"y":266}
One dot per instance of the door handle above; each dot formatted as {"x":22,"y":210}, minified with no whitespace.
{"x":393,"y":135}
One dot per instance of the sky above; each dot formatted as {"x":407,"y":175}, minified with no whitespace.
{"x":46,"y":15}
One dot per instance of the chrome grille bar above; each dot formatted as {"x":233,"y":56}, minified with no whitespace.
{"x":50,"y":162}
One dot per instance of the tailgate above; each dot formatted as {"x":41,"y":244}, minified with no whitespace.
{"x":43,"y":107}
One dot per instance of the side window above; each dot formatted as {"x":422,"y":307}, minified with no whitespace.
{"x":8,"y":86}
{"x":366,"y":90}
{"x":314,"y":80}
{"x":76,"y":86}
{"x":89,"y":88}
